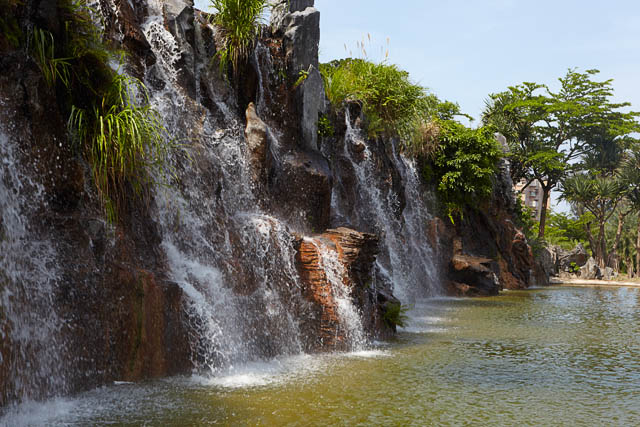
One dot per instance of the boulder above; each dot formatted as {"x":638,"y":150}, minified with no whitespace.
{"x":569,"y":260}
{"x":471,"y":275}
{"x":590,"y":270}
{"x":547,"y":261}
{"x":609,"y":273}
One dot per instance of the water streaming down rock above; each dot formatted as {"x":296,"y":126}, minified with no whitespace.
{"x":217,"y":269}
{"x":31,"y":345}
{"x":379,"y":190}
{"x":350,"y":317}
{"x":234,"y":263}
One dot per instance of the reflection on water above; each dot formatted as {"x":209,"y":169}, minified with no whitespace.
{"x":539,"y":357}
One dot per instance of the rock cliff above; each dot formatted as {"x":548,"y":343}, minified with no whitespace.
{"x":269,"y":239}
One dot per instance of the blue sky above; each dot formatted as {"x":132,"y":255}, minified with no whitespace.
{"x":464,"y":50}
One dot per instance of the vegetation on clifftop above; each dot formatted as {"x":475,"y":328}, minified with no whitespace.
{"x":460,"y":161}
{"x":239,"y":23}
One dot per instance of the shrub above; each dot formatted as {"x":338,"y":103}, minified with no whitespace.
{"x":391,"y":103}
{"x":239,"y":23}
{"x":395,"y":314}
{"x":462,"y":165}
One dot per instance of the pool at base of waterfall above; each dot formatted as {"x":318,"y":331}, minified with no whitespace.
{"x":549,"y":356}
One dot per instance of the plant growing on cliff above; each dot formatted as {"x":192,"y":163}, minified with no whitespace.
{"x":463,"y":165}
{"x":390,"y":101}
{"x":395,"y":314}
{"x":122,"y":138}
{"x":110,"y":119}
{"x":239,"y":23}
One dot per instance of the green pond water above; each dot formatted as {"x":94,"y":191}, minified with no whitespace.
{"x":551,"y":356}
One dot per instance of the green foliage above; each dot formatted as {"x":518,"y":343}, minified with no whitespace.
{"x":566,"y":230}
{"x":325,"y":127}
{"x":302,"y":76}
{"x":392,"y":104}
{"x":549,"y":132}
{"x":239,"y":23}
{"x":525,"y":219}
{"x":10,"y":32}
{"x":463,"y":165}
{"x":121,"y":139}
{"x":395,"y":314}
{"x":43,"y":51}
{"x":114,"y":127}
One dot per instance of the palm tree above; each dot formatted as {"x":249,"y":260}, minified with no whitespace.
{"x":629,"y":174}
{"x":600,"y":195}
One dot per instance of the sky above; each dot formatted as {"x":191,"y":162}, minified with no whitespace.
{"x":464,"y":50}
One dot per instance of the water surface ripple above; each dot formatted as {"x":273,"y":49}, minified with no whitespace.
{"x":553,"y":356}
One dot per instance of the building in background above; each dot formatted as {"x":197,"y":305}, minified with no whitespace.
{"x":531,"y":196}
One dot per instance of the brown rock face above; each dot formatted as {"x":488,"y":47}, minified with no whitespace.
{"x":356,"y":252}
{"x":300,"y":184}
{"x":473,"y":276}
{"x":256,"y":135}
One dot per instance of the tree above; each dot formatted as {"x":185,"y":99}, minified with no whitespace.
{"x":549,"y":132}
{"x":630,"y":178}
{"x":600,"y":195}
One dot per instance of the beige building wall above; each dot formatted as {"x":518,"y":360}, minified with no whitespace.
{"x":531,"y":196}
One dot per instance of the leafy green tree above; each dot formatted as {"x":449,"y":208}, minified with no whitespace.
{"x":549,"y":132}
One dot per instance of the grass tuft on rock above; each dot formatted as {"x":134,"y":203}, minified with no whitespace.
{"x":239,"y":23}
{"x":110,"y":119}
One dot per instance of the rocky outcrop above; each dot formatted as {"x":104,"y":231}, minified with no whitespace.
{"x":473,"y":276}
{"x":299,"y":21}
{"x":570,"y":261}
{"x":300,"y":184}
{"x":256,"y":135}
{"x":356,"y":253}
{"x":590,"y":270}
{"x":486,"y":242}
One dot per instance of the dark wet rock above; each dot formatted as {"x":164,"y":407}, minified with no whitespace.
{"x":179,"y":20}
{"x":473,"y":276}
{"x":300,"y":184}
{"x":300,"y":24}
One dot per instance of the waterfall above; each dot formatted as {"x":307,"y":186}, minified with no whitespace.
{"x":349,"y":316}
{"x":31,"y":345}
{"x":406,"y":259}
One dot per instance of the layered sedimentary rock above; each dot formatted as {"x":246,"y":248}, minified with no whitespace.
{"x":356,"y":253}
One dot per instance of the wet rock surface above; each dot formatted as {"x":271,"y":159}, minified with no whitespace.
{"x":356,"y":252}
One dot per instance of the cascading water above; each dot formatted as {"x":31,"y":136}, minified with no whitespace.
{"x":31,"y":345}
{"x":234,"y":263}
{"x":348,"y":314}
{"x":406,"y":258}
